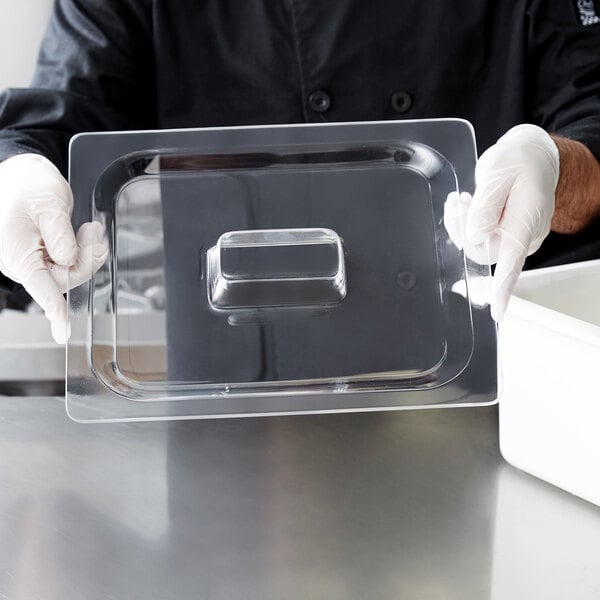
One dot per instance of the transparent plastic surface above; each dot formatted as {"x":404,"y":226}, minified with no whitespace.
{"x":276,"y":268}
{"x":284,"y":269}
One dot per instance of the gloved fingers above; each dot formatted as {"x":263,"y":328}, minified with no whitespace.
{"x":90,"y":233}
{"x":91,"y":256}
{"x":511,"y":258}
{"x":456,"y":210}
{"x":527,"y":216}
{"x":524,"y":225}
{"x":51,"y":214}
{"x":494,"y":182}
{"x":485,"y":253}
{"x":43,"y":289}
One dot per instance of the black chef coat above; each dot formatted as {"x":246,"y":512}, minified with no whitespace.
{"x":145,"y":64}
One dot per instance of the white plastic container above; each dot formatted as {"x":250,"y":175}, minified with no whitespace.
{"x":550,"y":356}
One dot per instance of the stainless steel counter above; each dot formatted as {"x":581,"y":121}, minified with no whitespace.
{"x":407,"y":505}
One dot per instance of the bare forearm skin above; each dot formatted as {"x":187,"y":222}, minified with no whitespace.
{"x":578,"y":189}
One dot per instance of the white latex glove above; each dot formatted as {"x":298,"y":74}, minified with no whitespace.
{"x":38,"y":247}
{"x":509,"y":215}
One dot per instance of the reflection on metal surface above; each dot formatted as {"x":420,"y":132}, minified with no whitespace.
{"x":412,"y":505}
{"x":31,"y":363}
{"x":538,"y":526}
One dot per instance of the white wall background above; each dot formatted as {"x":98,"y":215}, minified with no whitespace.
{"x":22,"y":25}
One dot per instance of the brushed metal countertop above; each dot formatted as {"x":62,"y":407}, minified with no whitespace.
{"x":399,"y":505}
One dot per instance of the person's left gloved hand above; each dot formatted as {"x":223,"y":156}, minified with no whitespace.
{"x":510,"y":212}
{"x":38,"y":247}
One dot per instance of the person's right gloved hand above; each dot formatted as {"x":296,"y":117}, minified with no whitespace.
{"x":510,"y":213}
{"x":38,"y":247}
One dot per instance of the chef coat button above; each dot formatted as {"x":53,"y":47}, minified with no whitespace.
{"x":401,"y":101}
{"x":319,"y":101}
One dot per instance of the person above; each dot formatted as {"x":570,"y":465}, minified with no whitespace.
{"x":526,"y":74}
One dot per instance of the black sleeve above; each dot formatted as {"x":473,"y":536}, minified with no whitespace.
{"x":95,"y":72}
{"x":564,"y":68}
{"x":8,"y":285}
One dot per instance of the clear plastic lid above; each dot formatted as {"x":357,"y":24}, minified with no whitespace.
{"x":276,"y":269}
